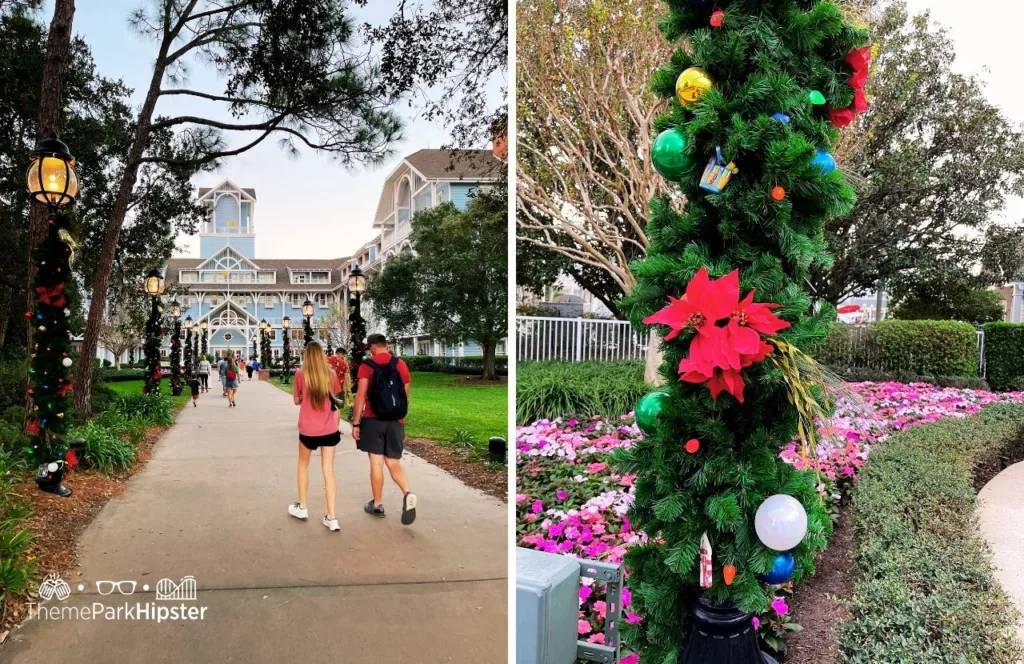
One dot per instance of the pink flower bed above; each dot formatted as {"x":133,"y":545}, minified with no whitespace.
{"x":570,"y":501}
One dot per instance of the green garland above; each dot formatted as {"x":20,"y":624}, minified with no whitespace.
{"x":151,"y":349}
{"x":286,"y":356}
{"x":307,"y":331}
{"x":176,"y":383}
{"x":206,"y":349}
{"x":265,"y":354}
{"x":50,"y":380}
{"x":357,"y":337}
{"x":189,"y":357}
{"x":196,"y":358}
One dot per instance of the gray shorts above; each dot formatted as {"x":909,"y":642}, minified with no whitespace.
{"x":381,"y":437}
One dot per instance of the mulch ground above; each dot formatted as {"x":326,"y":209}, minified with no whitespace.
{"x":58,"y":522}
{"x":457,"y":462}
{"x":817,"y":604}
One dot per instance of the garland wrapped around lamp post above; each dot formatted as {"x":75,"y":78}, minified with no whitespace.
{"x":203,"y":327}
{"x":52,"y":181}
{"x":255,"y":353}
{"x":286,"y":351}
{"x":356,"y":324}
{"x":154,"y":287}
{"x":755,"y":87}
{"x":265,"y":343}
{"x":307,"y":329}
{"x":189,"y":356}
{"x":176,"y":382}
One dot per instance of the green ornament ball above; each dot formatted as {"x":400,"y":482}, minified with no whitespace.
{"x":649,"y":409}
{"x":668,"y":152}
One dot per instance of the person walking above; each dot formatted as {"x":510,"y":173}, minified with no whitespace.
{"x":339,"y":365}
{"x":222,"y":366}
{"x":314,"y":393}
{"x":231,"y":371}
{"x":378,"y":423}
{"x":253,"y":365}
{"x":204,"y":373}
{"x":193,"y":384}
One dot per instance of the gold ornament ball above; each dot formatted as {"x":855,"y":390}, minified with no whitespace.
{"x":691,"y":84}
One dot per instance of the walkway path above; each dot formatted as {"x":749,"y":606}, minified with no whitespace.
{"x":212,"y":502}
{"x":1002,"y":526}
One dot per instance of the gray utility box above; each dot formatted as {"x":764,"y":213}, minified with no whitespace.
{"x":547,"y":607}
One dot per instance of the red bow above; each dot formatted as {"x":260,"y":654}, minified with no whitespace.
{"x":858,"y":59}
{"x":52,"y":296}
{"x":71,"y":458}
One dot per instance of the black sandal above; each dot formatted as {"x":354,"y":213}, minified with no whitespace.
{"x":409,"y":502}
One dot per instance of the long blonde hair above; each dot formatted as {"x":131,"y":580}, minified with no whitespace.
{"x":317,"y":375}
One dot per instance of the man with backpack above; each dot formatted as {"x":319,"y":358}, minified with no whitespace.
{"x":378,"y":423}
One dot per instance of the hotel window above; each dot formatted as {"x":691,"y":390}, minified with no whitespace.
{"x":322,"y":299}
{"x":298,"y":334}
{"x":213,"y":300}
{"x":270,"y":301}
{"x":272,"y":333}
{"x":300,"y":277}
{"x":320,"y":277}
{"x":296,"y":299}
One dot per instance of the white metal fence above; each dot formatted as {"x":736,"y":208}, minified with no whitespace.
{"x":577,"y":339}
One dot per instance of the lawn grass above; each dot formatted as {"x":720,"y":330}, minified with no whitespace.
{"x":135,"y":386}
{"x":439,"y":407}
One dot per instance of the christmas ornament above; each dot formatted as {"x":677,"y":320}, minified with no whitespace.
{"x":729,"y":574}
{"x":717,"y":173}
{"x":816,"y":98}
{"x":778,"y":193}
{"x":692,"y":446}
{"x":782,"y":569}
{"x":780,"y":522}
{"x":781,"y":117}
{"x":717,"y":18}
{"x":66,"y":362}
{"x":691,"y":85}
{"x":705,"y":562}
{"x":668,"y":153}
{"x":717,"y":353}
{"x":42,"y":328}
{"x":824,"y":162}
{"x":53,"y":466}
{"x":649,"y":409}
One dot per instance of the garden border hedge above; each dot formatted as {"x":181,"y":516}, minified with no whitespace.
{"x":923,"y":585}
{"x":1004,"y":355}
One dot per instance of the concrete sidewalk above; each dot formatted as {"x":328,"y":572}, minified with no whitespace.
{"x":212,"y":502}
{"x":1002,"y":525}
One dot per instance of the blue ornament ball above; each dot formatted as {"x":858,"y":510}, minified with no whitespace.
{"x":781,"y":117}
{"x":824,"y":162}
{"x":782,"y":569}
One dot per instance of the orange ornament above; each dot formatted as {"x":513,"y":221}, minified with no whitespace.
{"x":692,"y":446}
{"x":778,"y":193}
{"x":729,"y":572}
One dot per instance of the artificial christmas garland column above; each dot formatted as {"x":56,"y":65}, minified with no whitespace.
{"x":758,"y":88}
{"x":356,"y":337}
{"x":176,"y":383}
{"x":151,"y":348}
{"x":286,"y":355}
{"x":189,"y":362}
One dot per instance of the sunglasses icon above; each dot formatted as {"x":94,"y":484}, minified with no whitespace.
{"x":123,"y":587}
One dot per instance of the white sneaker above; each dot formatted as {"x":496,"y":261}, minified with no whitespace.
{"x":298,"y":512}
{"x":332,"y":524}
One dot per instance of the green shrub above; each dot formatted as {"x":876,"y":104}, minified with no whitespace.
{"x":923,"y":587}
{"x":13,"y":384}
{"x":546,"y":390}
{"x":17,"y":568}
{"x":914,"y":347}
{"x":105,"y":450}
{"x":148,"y":409}
{"x":118,"y":375}
{"x":1004,"y":355}
{"x":470,"y":366}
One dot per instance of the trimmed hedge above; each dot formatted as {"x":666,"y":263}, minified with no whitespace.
{"x":923,"y":586}
{"x":545,"y":390}
{"x":469,"y":366}
{"x":915,"y":347}
{"x":118,"y":375}
{"x":1004,"y":355}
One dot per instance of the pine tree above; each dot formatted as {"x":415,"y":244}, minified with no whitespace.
{"x":770,"y":62}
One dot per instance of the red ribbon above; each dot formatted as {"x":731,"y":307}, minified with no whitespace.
{"x":52,"y":296}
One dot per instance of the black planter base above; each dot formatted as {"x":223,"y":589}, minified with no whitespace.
{"x":50,"y":481}
{"x":722,"y":634}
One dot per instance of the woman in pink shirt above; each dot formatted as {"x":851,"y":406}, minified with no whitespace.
{"x":314,"y":389}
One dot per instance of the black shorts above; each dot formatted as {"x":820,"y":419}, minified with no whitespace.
{"x":313,"y":442}
{"x":381,"y":437}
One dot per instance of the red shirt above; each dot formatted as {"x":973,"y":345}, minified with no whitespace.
{"x":366,"y":371}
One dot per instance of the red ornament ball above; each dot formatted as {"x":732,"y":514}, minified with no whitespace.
{"x":28,"y":314}
{"x":692,"y":446}
{"x":717,"y":18}
{"x":778,"y":193}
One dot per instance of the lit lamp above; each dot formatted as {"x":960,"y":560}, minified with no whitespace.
{"x":286,"y":322}
{"x":356,"y":281}
{"x":263,"y":324}
{"x":174,"y":309}
{"x":307,"y":309}
{"x":203,"y":326}
{"x":154,"y":283}
{"x":188,"y":323}
{"x":52,"y":179}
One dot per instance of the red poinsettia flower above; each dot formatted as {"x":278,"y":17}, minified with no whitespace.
{"x":704,"y":303}
{"x":747,"y":322}
{"x":52,"y":296}
{"x":33,"y":428}
{"x":71,"y":458}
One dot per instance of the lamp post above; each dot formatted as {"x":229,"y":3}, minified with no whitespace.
{"x":264,"y":342}
{"x":189,"y":370}
{"x":175,"y":311}
{"x":154,"y":287}
{"x":203,"y":326}
{"x":286,"y":352}
{"x":52,"y":181}
{"x":356,"y":324}
{"x":307,"y":314}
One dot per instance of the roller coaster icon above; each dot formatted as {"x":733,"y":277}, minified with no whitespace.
{"x":167,"y":589}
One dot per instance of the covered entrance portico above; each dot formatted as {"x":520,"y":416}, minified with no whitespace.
{"x":231,"y":331}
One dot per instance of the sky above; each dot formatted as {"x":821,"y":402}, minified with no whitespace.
{"x":306,"y":207}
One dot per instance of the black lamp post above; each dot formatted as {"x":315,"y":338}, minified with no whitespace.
{"x":154,"y":287}
{"x":286,"y":352}
{"x":307,"y":314}
{"x":52,"y":181}
{"x":356,"y":324}
{"x":189,"y":358}
{"x":203,"y":326}
{"x":176,"y":385}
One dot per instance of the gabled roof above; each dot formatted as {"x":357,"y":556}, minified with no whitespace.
{"x":456,"y":164}
{"x":225,"y":250}
{"x":281,"y":265}
{"x":249,"y":191}
{"x":228,"y":304}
